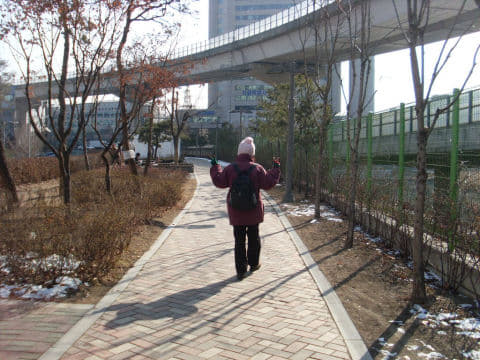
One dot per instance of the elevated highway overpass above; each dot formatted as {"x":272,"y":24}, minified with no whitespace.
{"x":266,"y":49}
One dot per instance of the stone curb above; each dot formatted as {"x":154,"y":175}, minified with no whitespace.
{"x":357,"y":348}
{"x":77,"y":330}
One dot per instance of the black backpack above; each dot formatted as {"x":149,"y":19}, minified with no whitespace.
{"x":242,"y":193}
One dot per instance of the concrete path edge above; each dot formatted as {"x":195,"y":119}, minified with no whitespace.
{"x":76,"y":331}
{"x":355,"y":344}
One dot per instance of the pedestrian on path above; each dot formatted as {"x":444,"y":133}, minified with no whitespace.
{"x":246,"y":213}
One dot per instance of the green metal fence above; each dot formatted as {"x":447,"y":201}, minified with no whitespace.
{"x":387,"y":160}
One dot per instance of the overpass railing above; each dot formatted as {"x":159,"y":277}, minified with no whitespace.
{"x":281,"y":18}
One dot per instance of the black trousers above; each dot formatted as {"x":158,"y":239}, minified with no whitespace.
{"x":245,"y":257}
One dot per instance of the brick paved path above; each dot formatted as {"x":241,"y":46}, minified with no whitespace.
{"x":185,"y":301}
{"x":28,"y":328}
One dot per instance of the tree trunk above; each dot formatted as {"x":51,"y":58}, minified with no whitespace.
{"x":307,"y":175}
{"x":12,"y":195}
{"x":351,"y":199}
{"x":175,"y":146}
{"x":149,"y":151}
{"x":64,"y":162}
{"x":418,"y":290}
{"x":288,"y":196}
{"x":85,"y":152}
{"x":319,"y":173}
{"x":123,"y":90}
{"x":108,"y":179}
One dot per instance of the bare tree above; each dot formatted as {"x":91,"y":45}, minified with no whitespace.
{"x":44,"y":31}
{"x":92,"y":50}
{"x":135,"y":11}
{"x":12,"y":197}
{"x":414,"y":29}
{"x":81,"y":35}
{"x":177,"y":119}
{"x":326,"y":28}
{"x":359,"y":25}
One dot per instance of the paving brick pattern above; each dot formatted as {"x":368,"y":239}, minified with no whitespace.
{"x":28,"y":328}
{"x":187,"y":304}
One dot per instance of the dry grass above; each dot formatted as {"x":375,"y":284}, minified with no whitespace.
{"x":35,"y":170}
{"x":95,"y":230}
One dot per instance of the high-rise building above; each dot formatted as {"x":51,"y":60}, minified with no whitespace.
{"x":236,"y":100}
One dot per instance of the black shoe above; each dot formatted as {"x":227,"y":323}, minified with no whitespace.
{"x":255,"y":267}
{"x":240,"y":276}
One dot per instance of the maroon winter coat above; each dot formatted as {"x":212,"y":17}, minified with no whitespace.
{"x":261,"y":179}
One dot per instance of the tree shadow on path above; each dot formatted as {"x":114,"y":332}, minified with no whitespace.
{"x":175,"y":306}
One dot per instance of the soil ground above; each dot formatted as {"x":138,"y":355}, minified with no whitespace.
{"x":374,"y":286}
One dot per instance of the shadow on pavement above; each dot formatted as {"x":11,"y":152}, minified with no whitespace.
{"x":174,"y":306}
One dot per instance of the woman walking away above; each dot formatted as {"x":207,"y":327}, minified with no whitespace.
{"x":244,"y":202}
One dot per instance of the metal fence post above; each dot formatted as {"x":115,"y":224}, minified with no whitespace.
{"x":454,"y":148}
{"x":401,"y":155}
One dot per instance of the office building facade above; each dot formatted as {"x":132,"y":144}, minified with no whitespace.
{"x":235,"y":101}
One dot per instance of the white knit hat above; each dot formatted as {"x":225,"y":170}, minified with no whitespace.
{"x":246,"y":147}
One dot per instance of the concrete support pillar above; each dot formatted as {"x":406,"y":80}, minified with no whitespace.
{"x":336,"y":91}
{"x":369,"y":104}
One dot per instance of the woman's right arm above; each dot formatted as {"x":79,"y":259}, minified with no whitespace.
{"x":219,"y":176}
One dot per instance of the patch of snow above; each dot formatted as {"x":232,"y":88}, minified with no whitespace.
{"x":63,"y":285}
{"x":413,"y":347}
{"x":432,"y":355}
{"x":419,"y":311}
{"x":307,"y":209}
{"x":473,"y":354}
{"x":5,"y":290}
{"x":387,"y":354}
{"x":467,"y":327}
{"x":431,"y":276}
{"x":446,"y":316}
{"x":375,"y":240}
{"x":313,"y":221}
{"x":473,"y":335}
{"x":441,"y":332}
{"x":399,"y":322}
